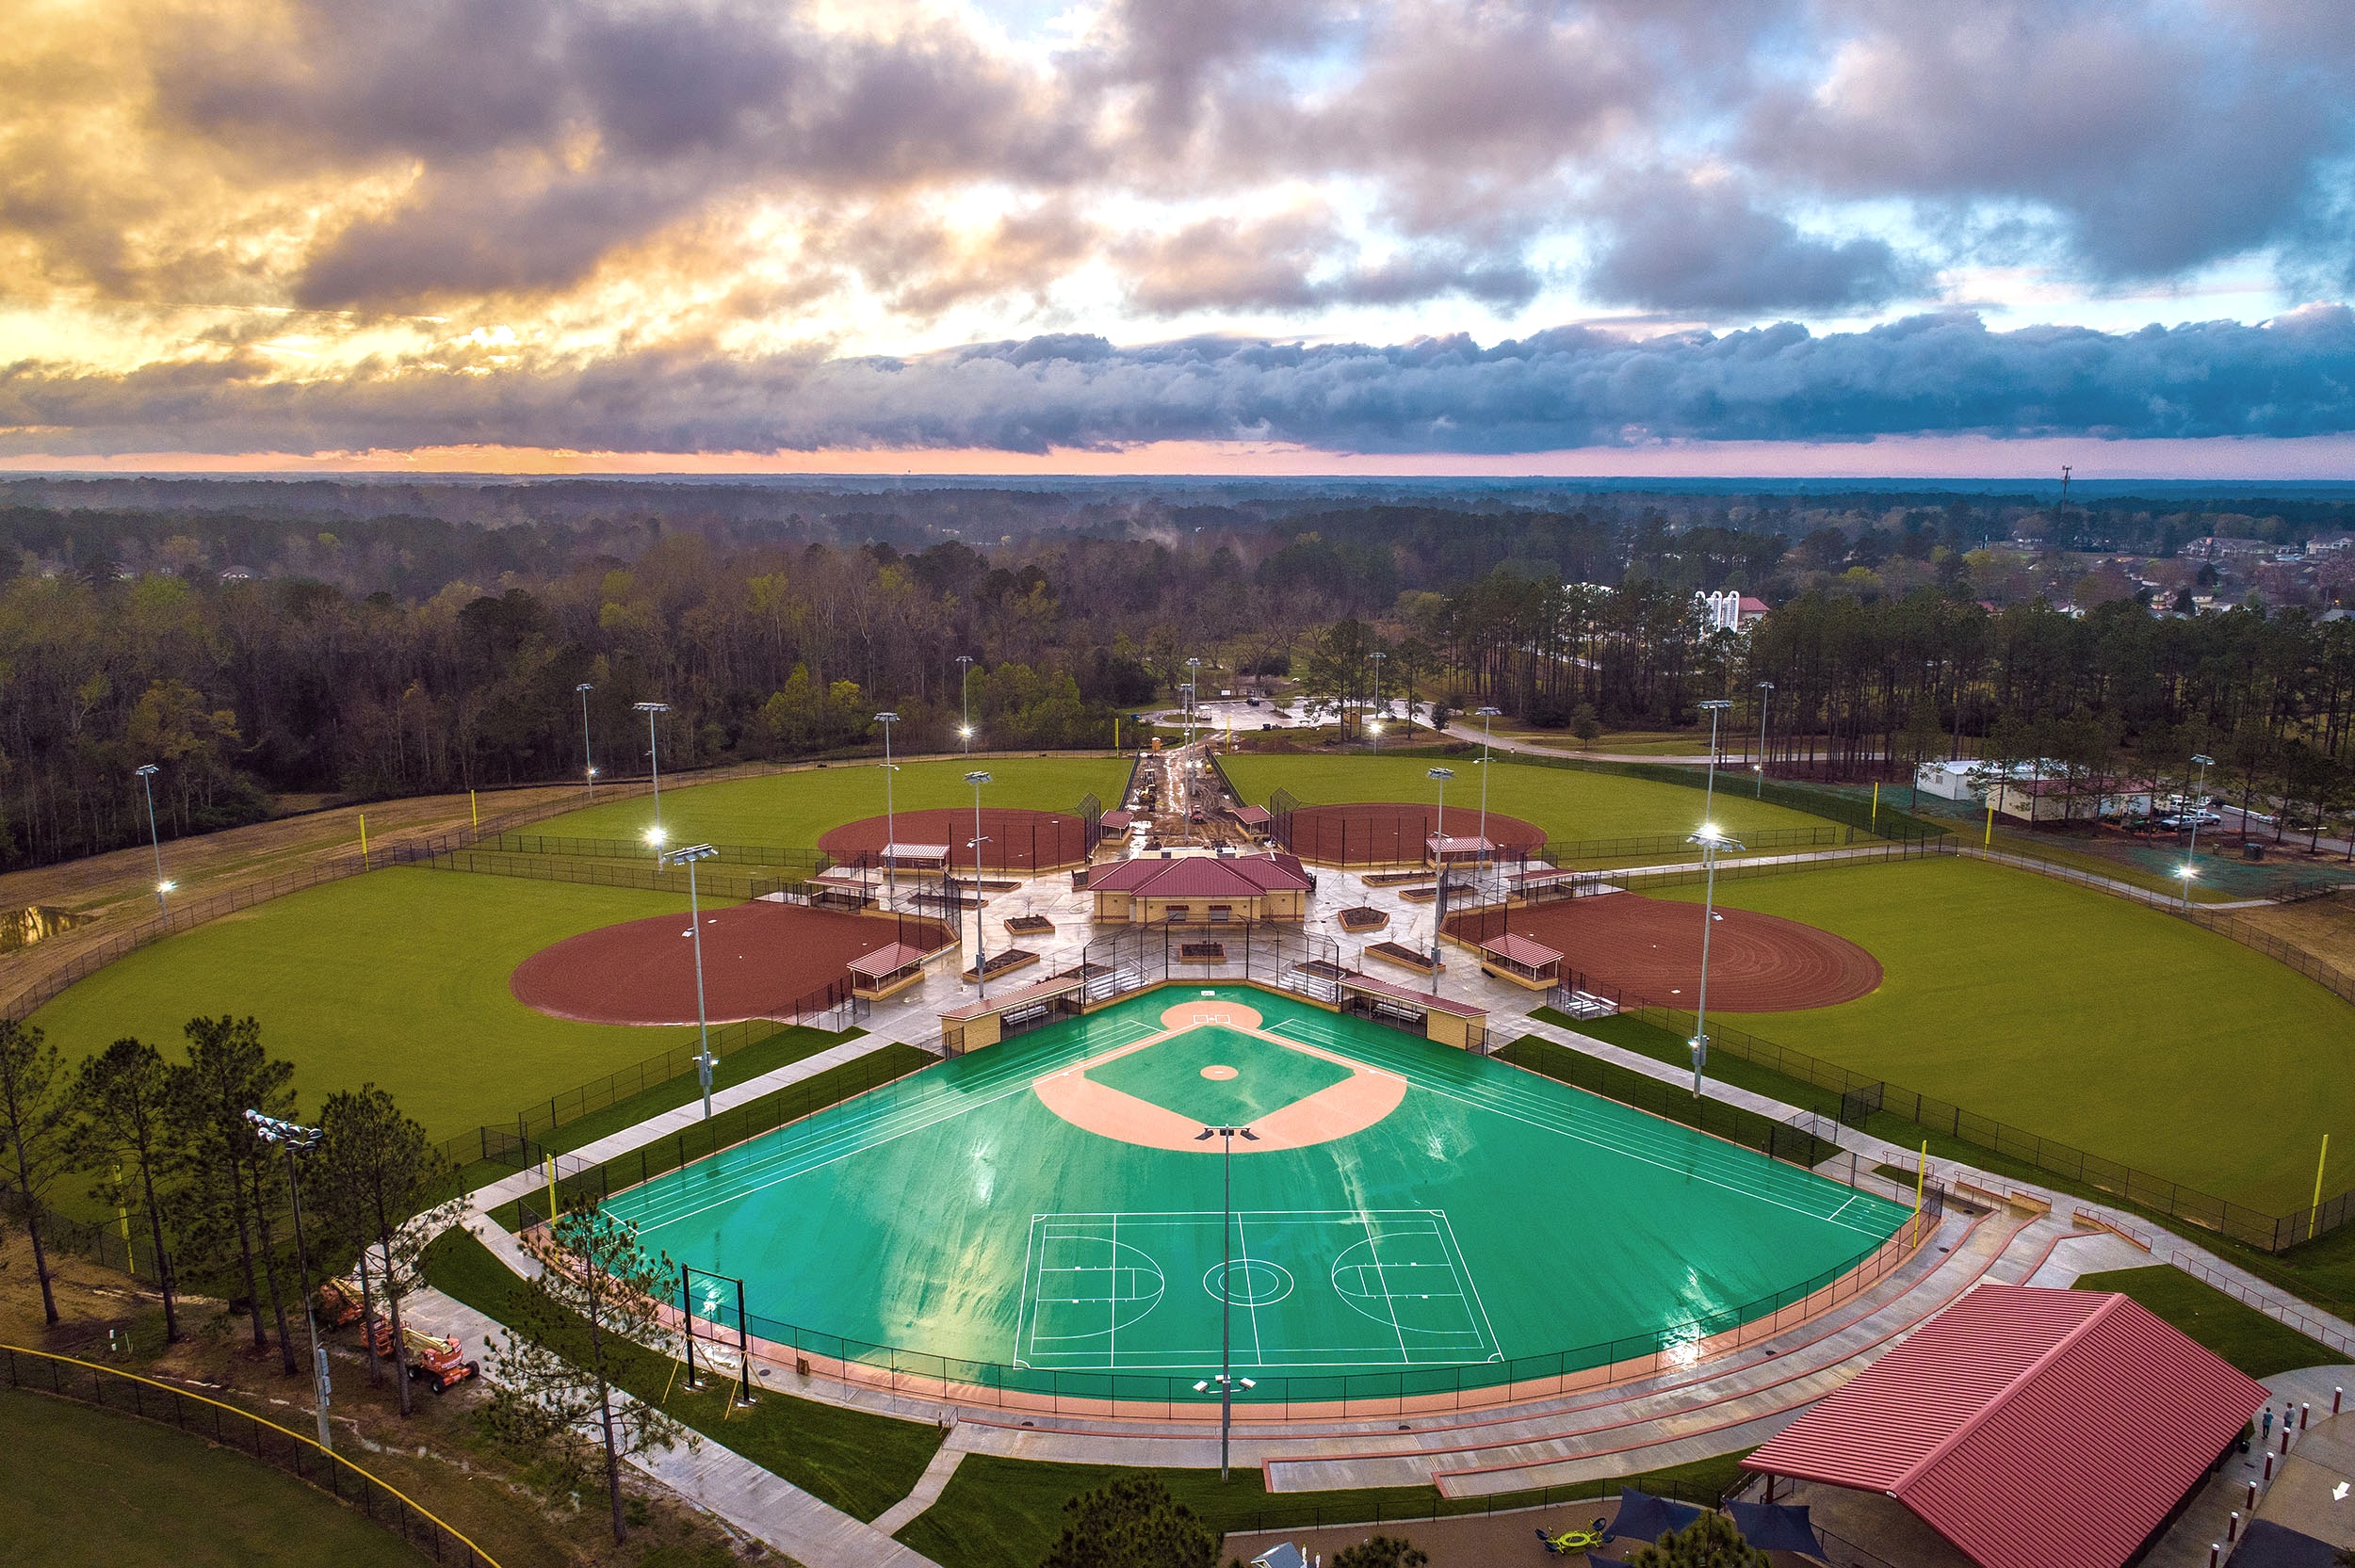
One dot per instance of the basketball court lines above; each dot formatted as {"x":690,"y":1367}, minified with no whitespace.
{"x":1315,"y":1288}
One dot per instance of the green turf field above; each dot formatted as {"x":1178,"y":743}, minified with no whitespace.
{"x":2082,"y":1017}
{"x":92,"y":1489}
{"x":1567,"y":804}
{"x":1492,"y":1217}
{"x":790,"y":809}
{"x":396,"y":978}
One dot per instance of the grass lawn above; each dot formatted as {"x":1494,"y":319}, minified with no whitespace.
{"x":2080,"y":1017}
{"x":790,"y":809}
{"x":2233,"y":1330}
{"x":1567,"y":804}
{"x":92,"y":1489}
{"x":1006,"y":1512}
{"x":781,"y":1049}
{"x":856,"y":1461}
{"x":398,"y":978}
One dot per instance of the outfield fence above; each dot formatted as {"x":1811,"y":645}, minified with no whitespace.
{"x":801,"y":863}
{"x":1862,"y":1097}
{"x":225,"y":1424}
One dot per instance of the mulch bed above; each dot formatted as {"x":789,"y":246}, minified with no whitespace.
{"x":1363,"y":917}
{"x":997,"y":963}
{"x":1202,"y":952}
{"x":1402,"y":955}
{"x":759,"y":958}
{"x":1031,"y":925}
{"x":1649,"y":950}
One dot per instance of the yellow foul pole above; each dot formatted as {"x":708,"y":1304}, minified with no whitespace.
{"x":364,"y":841}
{"x":475,"y":806}
{"x":1877,"y":808}
{"x":1921,"y":1175}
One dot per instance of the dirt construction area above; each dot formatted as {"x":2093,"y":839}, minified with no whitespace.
{"x":1390,"y":833}
{"x":1014,"y":839}
{"x":759,"y":960}
{"x":1649,"y":950}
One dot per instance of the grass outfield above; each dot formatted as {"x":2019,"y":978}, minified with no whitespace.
{"x":1567,"y":804}
{"x":790,"y":809}
{"x":2079,"y":1016}
{"x":2240,"y":1333}
{"x":398,"y":978}
{"x":92,"y":1489}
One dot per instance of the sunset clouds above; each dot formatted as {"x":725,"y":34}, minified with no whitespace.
{"x":295,"y":227}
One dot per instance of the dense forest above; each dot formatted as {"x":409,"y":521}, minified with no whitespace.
{"x":281,"y":643}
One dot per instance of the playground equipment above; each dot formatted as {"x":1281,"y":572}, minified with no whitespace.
{"x":1575,"y":1540}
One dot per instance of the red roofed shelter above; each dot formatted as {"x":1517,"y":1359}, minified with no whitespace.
{"x":1199,"y":890}
{"x":2030,"y":1427}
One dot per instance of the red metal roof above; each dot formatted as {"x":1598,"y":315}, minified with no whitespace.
{"x":1015,"y":998}
{"x":1428,"y":1001}
{"x":1116,"y":821}
{"x":1521,"y":950}
{"x":1252,"y":816}
{"x":883,"y":960}
{"x":1202,"y":877}
{"x":2032,"y":1428}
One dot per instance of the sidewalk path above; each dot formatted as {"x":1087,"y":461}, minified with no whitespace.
{"x":717,"y":1479}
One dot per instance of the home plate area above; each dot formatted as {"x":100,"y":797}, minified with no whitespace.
{"x":1340,"y":1288}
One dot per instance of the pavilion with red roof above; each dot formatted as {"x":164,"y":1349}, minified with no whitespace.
{"x":2029,"y":1428}
{"x":1195,"y":890}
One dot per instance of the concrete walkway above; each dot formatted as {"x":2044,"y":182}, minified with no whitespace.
{"x":929,"y":1486}
{"x":717,"y":1479}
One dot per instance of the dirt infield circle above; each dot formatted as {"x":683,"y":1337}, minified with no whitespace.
{"x":1019,"y":839}
{"x":1350,"y":1105}
{"x":759,"y":958}
{"x":1651,"y":949}
{"x":1385,"y":833}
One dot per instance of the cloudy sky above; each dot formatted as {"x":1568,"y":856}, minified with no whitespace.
{"x":1390,"y":236}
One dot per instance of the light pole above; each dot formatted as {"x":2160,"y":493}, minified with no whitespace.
{"x":654,"y":761}
{"x":1487,"y":716}
{"x":1379,"y":712}
{"x":980,"y":951}
{"x":687,"y":857}
{"x":2189,"y":871}
{"x":1711,"y":841}
{"x":1438,"y":912}
{"x":1226,"y":1292}
{"x":891,"y":835}
{"x":146,"y":773}
{"x":291,"y":1138}
{"x":2205,"y":762}
{"x":1765,"y":700}
{"x":1716,"y":707}
{"x":1180,"y":775}
{"x":965,"y":704}
{"x":587,"y":755}
{"x":1193,"y":695}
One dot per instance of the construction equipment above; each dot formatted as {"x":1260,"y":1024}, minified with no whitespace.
{"x":439,"y":1362}
{"x":339,"y":1304}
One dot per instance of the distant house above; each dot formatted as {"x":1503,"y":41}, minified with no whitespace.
{"x":1728,"y":611}
{"x":236,"y":574}
{"x":2214,"y":548}
{"x":2327,"y":543}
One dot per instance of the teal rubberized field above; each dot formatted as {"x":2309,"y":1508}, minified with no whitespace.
{"x":1456,"y":1222}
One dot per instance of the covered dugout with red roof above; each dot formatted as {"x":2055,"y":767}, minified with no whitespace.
{"x":2031,"y":1428}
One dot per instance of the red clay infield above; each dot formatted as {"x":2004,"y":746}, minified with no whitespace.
{"x":1383,"y":832}
{"x":1019,"y":840}
{"x":1651,"y":949}
{"x":759,"y":958}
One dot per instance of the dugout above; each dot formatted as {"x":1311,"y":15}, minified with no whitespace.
{"x":1519,"y":961}
{"x":886,"y":971}
{"x":1012,"y":1012}
{"x":1458,"y":849}
{"x":1435,"y":1018}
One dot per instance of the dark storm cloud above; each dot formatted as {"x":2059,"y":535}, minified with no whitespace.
{"x":1566,"y":388}
{"x":1706,"y":250}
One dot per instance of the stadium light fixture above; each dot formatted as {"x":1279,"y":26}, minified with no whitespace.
{"x":1375,"y":728}
{"x":146,"y":773}
{"x":587,"y":755}
{"x":1439,"y":914}
{"x":1715,"y":708}
{"x":1225,"y":1290}
{"x":981,"y":952}
{"x":891,"y":861}
{"x":293,"y":1138}
{"x":654,"y":761}
{"x":1711,"y":842}
{"x":687,"y":857}
{"x":1766,"y":701}
{"x":2205,"y":762}
{"x":965,"y":706}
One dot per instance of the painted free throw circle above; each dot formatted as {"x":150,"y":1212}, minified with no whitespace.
{"x":1251,"y":1283}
